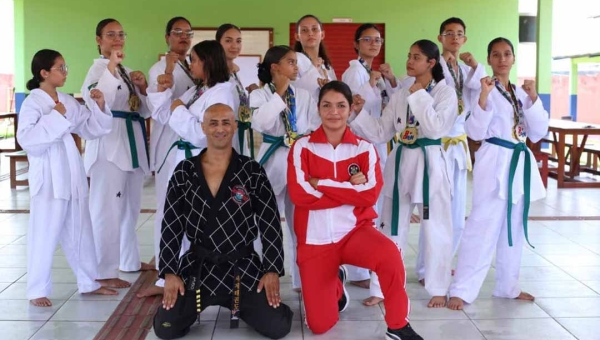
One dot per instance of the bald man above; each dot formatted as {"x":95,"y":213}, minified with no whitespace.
{"x":221,"y":200}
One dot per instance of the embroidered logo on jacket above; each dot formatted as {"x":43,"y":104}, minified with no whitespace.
{"x":353,"y":169}
{"x":239,"y":194}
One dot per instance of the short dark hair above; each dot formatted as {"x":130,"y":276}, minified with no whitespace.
{"x":452,"y":20}
{"x":172,"y":23}
{"x":215,"y":63}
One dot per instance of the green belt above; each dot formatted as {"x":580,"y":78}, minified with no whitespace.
{"x":242,"y":127}
{"x":419,"y":143}
{"x":181,"y":145}
{"x":276,"y":143}
{"x":129,"y":118}
{"x":517,"y":149}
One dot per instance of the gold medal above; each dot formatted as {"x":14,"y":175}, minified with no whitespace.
{"x":409,"y":135}
{"x":289,"y":139}
{"x":134,"y":103}
{"x":245,"y":114}
{"x":520,"y":134}
{"x":461,"y":106}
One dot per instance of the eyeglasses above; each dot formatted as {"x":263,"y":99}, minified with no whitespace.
{"x":112,"y":35}
{"x":452,"y":35}
{"x":178,"y":32}
{"x":375,"y":40}
{"x":62,"y":68}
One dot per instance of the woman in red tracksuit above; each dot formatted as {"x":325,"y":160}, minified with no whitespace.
{"x":334,"y":180}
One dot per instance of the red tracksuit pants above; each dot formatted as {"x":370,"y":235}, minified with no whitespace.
{"x":364,"y":247}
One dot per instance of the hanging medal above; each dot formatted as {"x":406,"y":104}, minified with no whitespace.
{"x":385,"y":98}
{"x":459,"y":83}
{"x":519,"y":131}
{"x":199,"y":92}
{"x":410,"y":134}
{"x":186,"y":68}
{"x":288,"y":115}
{"x":134,"y":100}
{"x":244,"y":112}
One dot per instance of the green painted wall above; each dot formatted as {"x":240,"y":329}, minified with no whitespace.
{"x":68,"y":25}
{"x":21,"y":65}
{"x":544,"y":47}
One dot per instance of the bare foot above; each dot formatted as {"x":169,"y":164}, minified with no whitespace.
{"x":147,"y":267}
{"x":103,"y":291}
{"x":437,"y":302}
{"x":525,"y":296}
{"x":422,"y":282}
{"x":151,"y":291}
{"x":362,"y":284}
{"x":41,"y":302}
{"x":114,"y":283}
{"x":455,"y":303}
{"x":297,"y":290}
{"x":372,"y":301}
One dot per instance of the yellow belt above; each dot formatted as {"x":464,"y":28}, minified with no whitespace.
{"x":462,"y":139}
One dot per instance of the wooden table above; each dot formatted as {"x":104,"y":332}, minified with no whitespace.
{"x":559,"y":130}
{"x":15,"y":128}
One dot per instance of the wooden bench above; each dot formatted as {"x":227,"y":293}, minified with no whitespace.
{"x":14,"y":157}
{"x":593,"y":157}
{"x":543,"y":158}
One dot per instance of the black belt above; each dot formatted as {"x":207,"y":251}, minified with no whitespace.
{"x":204,"y":255}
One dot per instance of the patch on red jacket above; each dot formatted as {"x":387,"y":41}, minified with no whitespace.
{"x":353,"y":169}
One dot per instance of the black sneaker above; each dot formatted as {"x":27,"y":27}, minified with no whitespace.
{"x":344,"y":301}
{"x":405,"y":333}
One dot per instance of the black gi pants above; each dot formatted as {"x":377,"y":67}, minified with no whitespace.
{"x":273,"y":323}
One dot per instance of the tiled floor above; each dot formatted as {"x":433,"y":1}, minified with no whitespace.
{"x":563,"y":272}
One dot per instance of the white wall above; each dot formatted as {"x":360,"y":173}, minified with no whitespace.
{"x":7,"y":37}
{"x":573,"y":31}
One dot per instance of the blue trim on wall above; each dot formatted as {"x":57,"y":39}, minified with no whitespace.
{"x":573,"y":107}
{"x":545,"y":98}
{"x":19,"y":98}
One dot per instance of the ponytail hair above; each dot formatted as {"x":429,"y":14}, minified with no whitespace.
{"x":322,"y":50}
{"x":360,"y":30}
{"x":172,"y":23}
{"x":336,"y":86}
{"x":224,"y":28}
{"x":497,"y":41}
{"x":42,"y":60}
{"x":431,"y":51}
{"x":100,"y":28}
{"x":273,"y":56}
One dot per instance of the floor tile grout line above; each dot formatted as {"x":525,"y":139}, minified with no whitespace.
{"x":565,"y":328}
{"x":48,"y":320}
